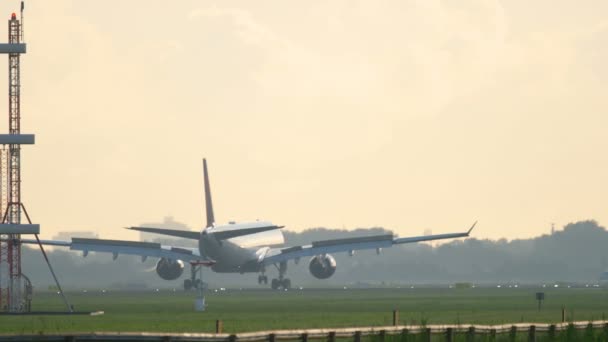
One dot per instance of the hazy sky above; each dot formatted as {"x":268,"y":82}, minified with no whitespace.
{"x":410,"y":115}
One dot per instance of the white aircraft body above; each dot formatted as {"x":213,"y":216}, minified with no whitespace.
{"x":248,"y":247}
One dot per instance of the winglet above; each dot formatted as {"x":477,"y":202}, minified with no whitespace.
{"x":470,"y":229}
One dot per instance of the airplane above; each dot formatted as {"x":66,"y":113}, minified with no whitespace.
{"x":248,"y":247}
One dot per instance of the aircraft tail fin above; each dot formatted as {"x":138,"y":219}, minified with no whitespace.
{"x":208,"y":203}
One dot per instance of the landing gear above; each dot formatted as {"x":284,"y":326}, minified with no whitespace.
{"x":193,"y":282}
{"x":282,"y":282}
{"x":196,"y":282}
{"x":262,"y":279}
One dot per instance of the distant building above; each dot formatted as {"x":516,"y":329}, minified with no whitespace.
{"x":168,"y":223}
{"x":67,"y":236}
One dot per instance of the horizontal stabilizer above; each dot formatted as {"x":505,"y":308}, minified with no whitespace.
{"x":186,"y":234}
{"x":232,"y":233}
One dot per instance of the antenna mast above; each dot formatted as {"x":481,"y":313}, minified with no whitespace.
{"x":21,"y":19}
{"x":15,"y":287}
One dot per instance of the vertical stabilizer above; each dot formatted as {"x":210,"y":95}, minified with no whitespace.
{"x":208,"y":203}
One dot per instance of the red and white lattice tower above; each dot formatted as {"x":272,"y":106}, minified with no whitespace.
{"x":13,"y":298}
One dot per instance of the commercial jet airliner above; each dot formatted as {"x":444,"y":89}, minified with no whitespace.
{"x":249,"y":247}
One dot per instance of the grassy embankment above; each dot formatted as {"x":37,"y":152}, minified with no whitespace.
{"x":254,"y":310}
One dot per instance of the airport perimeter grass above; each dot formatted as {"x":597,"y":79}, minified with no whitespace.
{"x":254,"y":310}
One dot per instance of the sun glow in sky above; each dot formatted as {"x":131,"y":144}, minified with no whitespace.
{"x":410,"y":115}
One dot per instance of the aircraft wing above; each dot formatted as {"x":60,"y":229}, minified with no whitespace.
{"x":117,"y":247}
{"x":276,"y":255}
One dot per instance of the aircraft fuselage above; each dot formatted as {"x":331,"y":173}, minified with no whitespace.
{"x":239,"y":254}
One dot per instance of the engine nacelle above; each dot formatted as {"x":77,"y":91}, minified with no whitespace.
{"x":169,"y":269}
{"x":322,"y":266}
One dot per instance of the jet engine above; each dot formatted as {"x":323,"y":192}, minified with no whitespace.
{"x":322,"y":266}
{"x":169,"y":269}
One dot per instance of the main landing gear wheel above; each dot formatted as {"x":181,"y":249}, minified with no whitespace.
{"x":284,"y":284}
{"x":194,"y":282}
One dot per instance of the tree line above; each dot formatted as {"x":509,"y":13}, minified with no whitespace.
{"x":577,"y":253}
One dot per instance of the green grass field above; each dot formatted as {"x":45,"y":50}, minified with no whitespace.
{"x":252,"y":310}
